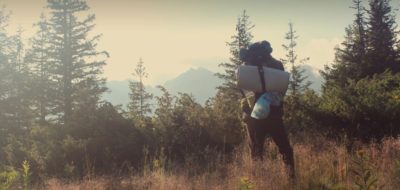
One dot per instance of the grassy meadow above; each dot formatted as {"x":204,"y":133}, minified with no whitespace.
{"x":319,"y":165}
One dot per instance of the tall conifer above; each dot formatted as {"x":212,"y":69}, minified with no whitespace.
{"x":241,"y":39}
{"x":297,"y":84}
{"x":38,"y":57}
{"x":139,"y":105}
{"x":350,"y":59}
{"x":382,"y":38}
{"x":76,"y":65}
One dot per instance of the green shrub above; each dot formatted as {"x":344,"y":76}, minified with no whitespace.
{"x":26,"y":174}
{"x":246,"y":184}
{"x":7,"y":179}
{"x":366,"y":109}
{"x":364,"y":177}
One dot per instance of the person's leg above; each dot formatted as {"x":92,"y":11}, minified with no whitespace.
{"x":279,"y":135}
{"x":257,"y":134}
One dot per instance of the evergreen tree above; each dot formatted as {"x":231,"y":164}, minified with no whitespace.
{"x":76,"y":65}
{"x":382,"y":38}
{"x":350,"y":60}
{"x":5,"y":70}
{"x":225,"y":107}
{"x":14,"y":104}
{"x":38,"y":57}
{"x":241,"y":39}
{"x":4,"y":39}
{"x":297,"y":85}
{"x":139,"y":106}
{"x":19,"y":100}
{"x":352,"y":98}
{"x":360,"y":25}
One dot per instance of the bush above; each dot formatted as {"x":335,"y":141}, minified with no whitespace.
{"x":366,"y":109}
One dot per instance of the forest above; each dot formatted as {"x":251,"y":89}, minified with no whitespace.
{"x":56,"y":131}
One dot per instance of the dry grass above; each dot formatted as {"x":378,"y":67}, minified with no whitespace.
{"x":318,"y":166}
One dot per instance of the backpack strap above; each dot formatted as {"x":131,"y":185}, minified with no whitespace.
{"x":262,"y":79}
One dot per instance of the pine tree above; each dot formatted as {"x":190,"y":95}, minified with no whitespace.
{"x":368,"y":51}
{"x":4,"y":38}
{"x":18,"y":97}
{"x":38,"y":57}
{"x":14,"y":104}
{"x":360,"y":27}
{"x":225,"y":105}
{"x":139,"y":105}
{"x":241,"y":39}
{"x":4,"y":67}
{"x":369,"y":47}
{"x":382,"y":38}
{"x":350,"y":60}
{"x":76,"y":64}
{"x":297,"y":84}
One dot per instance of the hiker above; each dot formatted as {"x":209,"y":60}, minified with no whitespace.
{"x":260,"y":54}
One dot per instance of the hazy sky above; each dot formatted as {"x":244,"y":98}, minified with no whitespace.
{"x":173,"y":36}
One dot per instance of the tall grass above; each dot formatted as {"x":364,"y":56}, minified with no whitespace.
{"x":319,"y":165}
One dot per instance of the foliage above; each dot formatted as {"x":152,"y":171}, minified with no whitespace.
{"x":368,"y":108}
{"x":76,"y":65}
{"x":139,"y":105}
{"x":246,"y":184}
{"x":224,"y":110}
{"x":241,"y":39}
{"x":350,"y":58}
{"x":14,"y":112}
{"x":295,"y":108}
{"x":224,"y":121}
{"x":364,"y":178}
{"x":53,"y":122}
{"x":297,"y":83}
{"x":26,"y":174}
{"x":382,"y":40}
{"x":38,"y":59}
{"x":359,"y":94}
{"x":7,"y":179}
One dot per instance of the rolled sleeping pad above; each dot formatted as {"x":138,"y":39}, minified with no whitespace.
{"x":249,"y":79}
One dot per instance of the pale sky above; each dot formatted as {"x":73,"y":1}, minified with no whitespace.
{"x":173,"y":36}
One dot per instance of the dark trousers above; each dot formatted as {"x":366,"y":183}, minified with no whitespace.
{"x":258,"y":129}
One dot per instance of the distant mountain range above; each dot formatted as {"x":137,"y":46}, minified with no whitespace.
{"x":200,"y":82}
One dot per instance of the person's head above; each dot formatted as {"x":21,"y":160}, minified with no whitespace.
{"x":256,"y":53}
